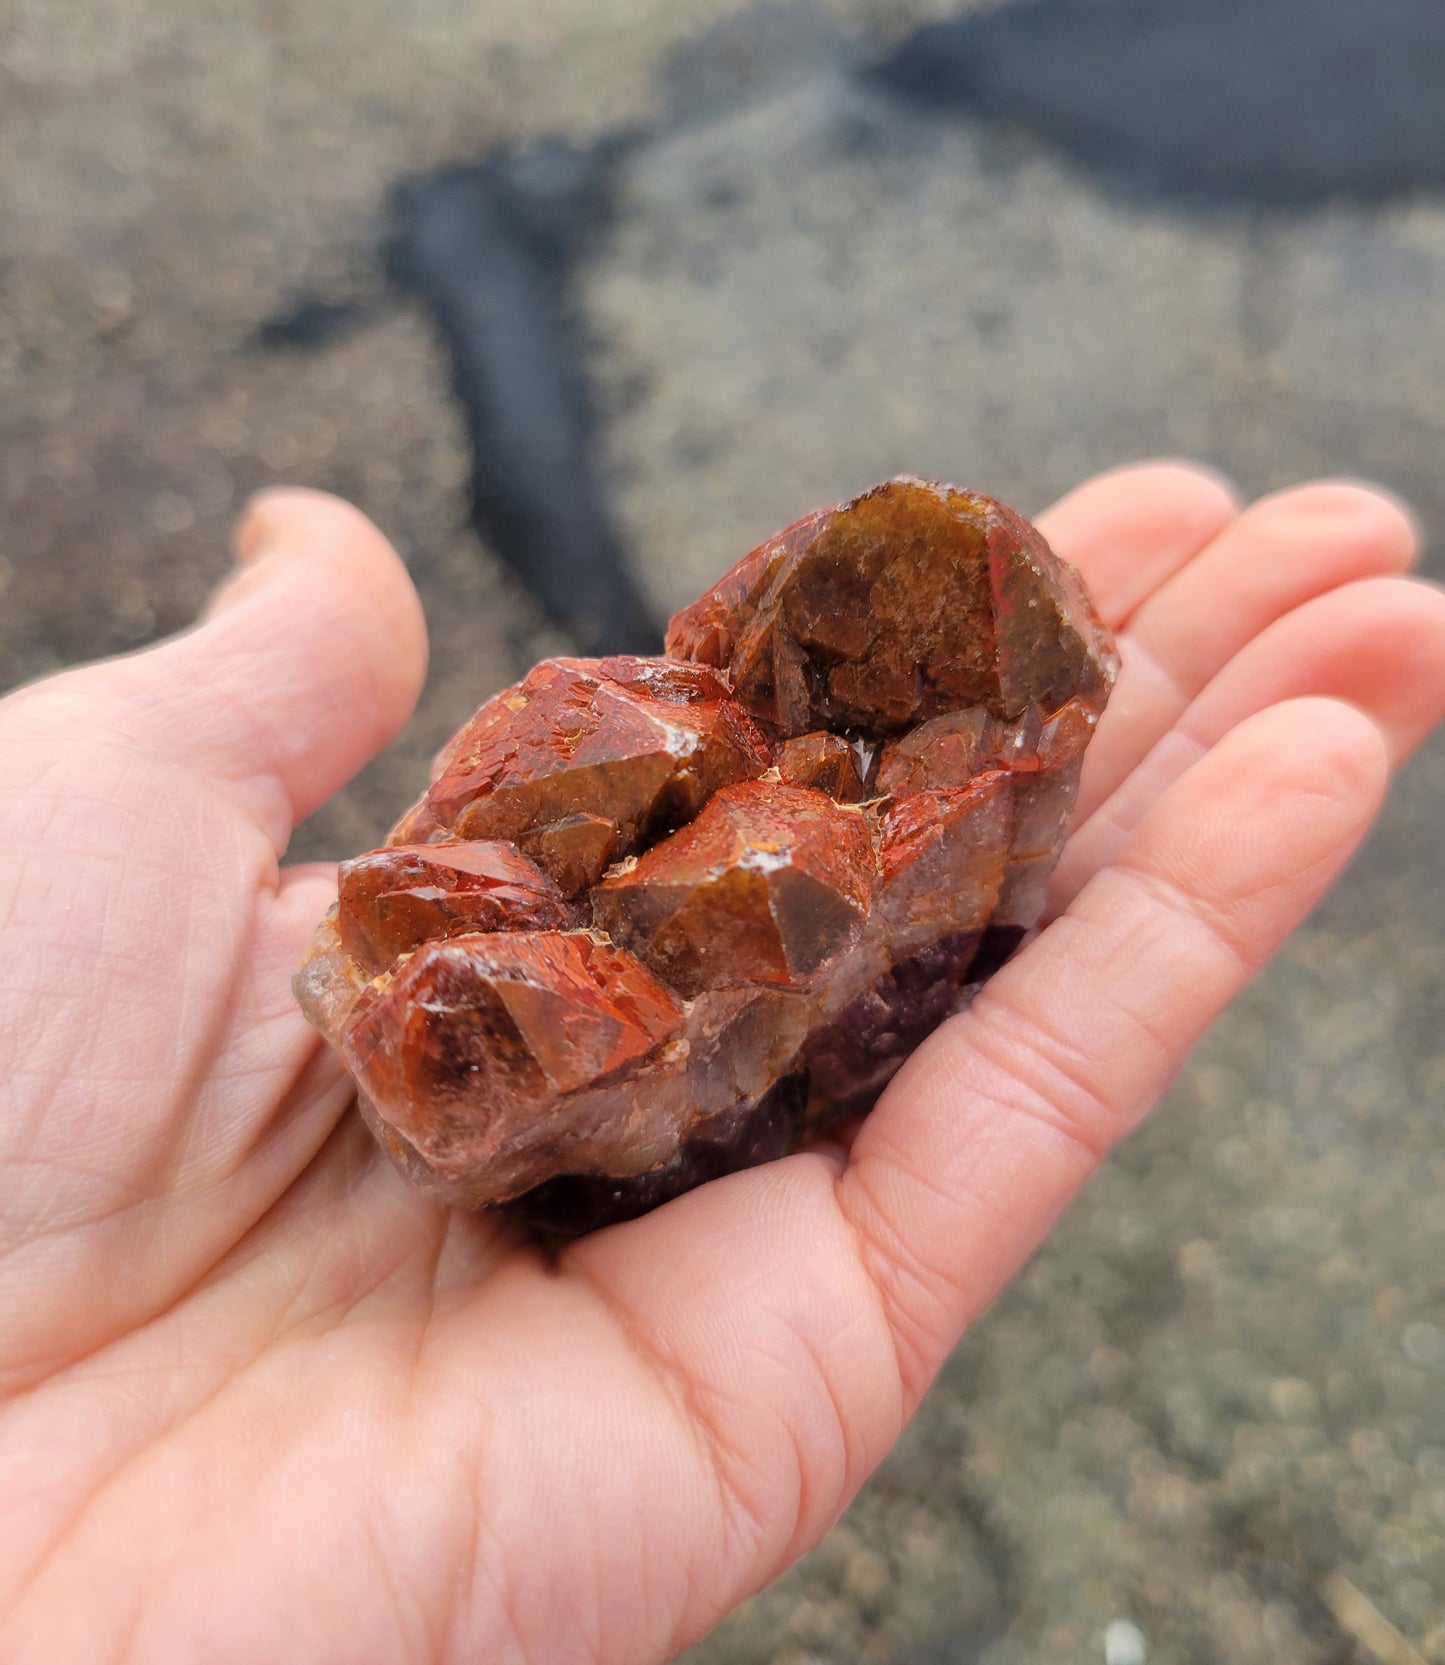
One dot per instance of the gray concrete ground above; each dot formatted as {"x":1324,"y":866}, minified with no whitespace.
{"x":1208,"y":1423}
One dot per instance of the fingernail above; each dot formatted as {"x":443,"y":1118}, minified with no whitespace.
{"x":253,"y":543}
{"x":252,"y":532}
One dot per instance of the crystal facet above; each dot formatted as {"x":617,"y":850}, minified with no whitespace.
{"x":658,"y":919}
{"x":767,"y":884}
{"x":393,"y":900}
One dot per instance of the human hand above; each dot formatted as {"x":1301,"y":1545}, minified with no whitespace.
{"x":260,"y":1400}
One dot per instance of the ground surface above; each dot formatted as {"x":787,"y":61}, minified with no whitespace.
{"x":1209,"y":1422}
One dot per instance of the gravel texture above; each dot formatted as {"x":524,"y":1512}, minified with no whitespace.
{"x":1208,"y":1422}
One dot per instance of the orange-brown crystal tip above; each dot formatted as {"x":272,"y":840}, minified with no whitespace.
{"x":910,"y":601}
{"x":393,"y":900}
{"x":475,"y":1032}
{"x":767,"y":884}
{"x":585,"y":760}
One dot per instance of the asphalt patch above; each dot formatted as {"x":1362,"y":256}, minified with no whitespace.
{"x":1254,"y":103}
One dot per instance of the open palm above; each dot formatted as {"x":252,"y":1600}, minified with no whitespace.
{"x":258,"y":1400}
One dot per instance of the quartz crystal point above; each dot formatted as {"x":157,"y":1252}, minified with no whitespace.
{"x":658,"y":919}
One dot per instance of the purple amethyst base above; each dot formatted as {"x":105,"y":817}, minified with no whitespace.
{"x":843,"y":1070}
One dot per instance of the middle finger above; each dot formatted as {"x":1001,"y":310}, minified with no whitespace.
{"x":1276,"y":557}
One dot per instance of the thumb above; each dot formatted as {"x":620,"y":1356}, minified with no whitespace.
{"x":308,"y":661}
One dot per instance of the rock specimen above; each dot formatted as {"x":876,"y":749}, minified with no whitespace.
{"x":657,"y":919}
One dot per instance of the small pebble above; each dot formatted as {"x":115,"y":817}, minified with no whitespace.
{"x":171,"y":513}
{"x":866,"y":1577}
{"x":1125,"y":1644}
{"x":1293,"y":1400}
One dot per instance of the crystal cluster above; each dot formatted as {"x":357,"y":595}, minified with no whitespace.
{"x":657,"y":919}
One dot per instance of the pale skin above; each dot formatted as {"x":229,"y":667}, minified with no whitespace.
{"x":261,"y":1401}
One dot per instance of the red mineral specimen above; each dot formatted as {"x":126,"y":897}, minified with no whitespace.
{"x":656,"y":919}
